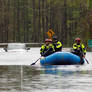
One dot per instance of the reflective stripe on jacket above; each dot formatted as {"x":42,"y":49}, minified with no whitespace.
{"x":58,"y":44}
{"x":81,"y":46}
{"x":45,"y":48}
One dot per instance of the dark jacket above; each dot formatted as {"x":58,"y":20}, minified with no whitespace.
{"x":57,"y":46}
{"x":47,"y":50}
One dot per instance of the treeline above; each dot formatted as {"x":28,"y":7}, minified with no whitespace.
{"x":29,"y":20}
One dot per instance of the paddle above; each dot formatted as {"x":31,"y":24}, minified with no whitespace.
{"x":36,"y":61}
{"x":86,"y":59}
{"x":40,"y":57}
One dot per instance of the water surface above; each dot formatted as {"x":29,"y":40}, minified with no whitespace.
{"x":17,"y":75}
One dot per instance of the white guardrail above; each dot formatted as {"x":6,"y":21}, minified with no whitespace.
{"x":24,"y":43}
{"x":27,"y":44}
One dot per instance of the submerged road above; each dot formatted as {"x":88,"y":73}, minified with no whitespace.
{"x":27,"y":57}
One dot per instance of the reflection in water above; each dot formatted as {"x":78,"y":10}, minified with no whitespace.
{"x":43,"y":79}
{"x":56,"y":70}
{"x":51,"y":78}
{"x":9,"y":78}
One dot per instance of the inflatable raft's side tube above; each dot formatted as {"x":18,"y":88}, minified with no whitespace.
{"x":61,"y":58}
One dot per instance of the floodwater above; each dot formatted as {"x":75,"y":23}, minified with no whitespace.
{"x":17,"y":74}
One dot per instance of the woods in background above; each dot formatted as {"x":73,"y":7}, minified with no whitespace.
{"x":29,"y":20}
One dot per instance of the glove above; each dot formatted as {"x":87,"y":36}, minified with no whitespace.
{"x":84,"y":53}
{"x":78,"y":49}
{"x":42,"y":54}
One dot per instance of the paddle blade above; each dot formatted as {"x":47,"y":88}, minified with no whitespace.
{"x":35,"y":61}
{"x":86,"y":60}
{"x":33,"y":64}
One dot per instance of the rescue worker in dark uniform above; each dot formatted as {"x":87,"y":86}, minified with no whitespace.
{"x":47,"y":48}
{"x":57,"y":44}
{"x":79,"y":48}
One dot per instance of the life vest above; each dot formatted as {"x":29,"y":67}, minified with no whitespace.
{"x":47,"y":49}
{"x":80,"y":47}
{"x":58,"y":46}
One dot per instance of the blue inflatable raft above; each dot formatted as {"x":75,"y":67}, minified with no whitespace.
{"x":61,"y":58}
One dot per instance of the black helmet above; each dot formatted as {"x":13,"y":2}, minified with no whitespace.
{"x":54,"y":37}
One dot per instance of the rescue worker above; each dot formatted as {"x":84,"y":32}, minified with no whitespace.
{"x":57,"y":44}
{"x":47,"y":48}
{"x":79,"y":48}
